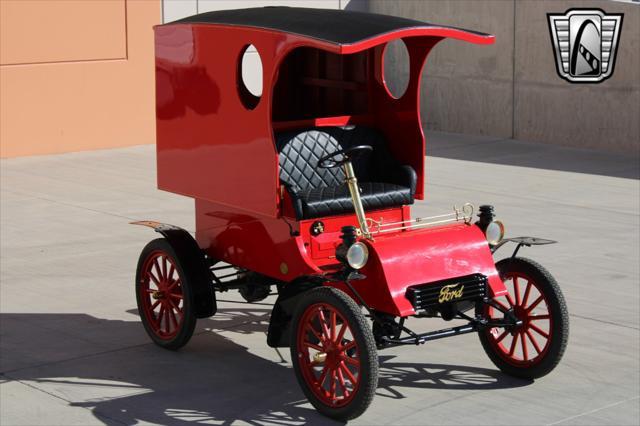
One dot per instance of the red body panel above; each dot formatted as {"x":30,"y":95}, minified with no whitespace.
{"x":261,"y":244}
{"x":396,"y":260}
{"x":416,"y":257}
{"x":212,"y":147}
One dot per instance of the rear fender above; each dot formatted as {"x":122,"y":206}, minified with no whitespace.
{"x":194,"y":264}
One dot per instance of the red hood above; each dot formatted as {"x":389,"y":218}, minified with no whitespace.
{"x":422,"y":256}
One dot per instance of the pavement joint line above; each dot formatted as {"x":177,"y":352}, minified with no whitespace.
{"x":436,"y":404}
{"x":53,"y":395}
{"x":604,"y":321}
{"x":433,"y":151}
{"x":70,"y":205}
{"x":586,"y":413}
{"x":543,"y":200}
{"x":47,"y":364}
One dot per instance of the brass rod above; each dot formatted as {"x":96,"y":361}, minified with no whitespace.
{"x":354,"y":190}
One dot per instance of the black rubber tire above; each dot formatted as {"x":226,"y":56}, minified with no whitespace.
{"x":559,"y":313}
{"x":189,"y":322}
{"x":368,"y":352}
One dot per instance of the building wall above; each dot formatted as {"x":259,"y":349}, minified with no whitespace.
{"x":76,"y":75}
{"x":511,"y":89}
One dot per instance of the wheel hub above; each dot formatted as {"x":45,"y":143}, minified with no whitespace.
{"x":320,"y":358}
{"x":520,"y":313}
{"x":157,"y":295}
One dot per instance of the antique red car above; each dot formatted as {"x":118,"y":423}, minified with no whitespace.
{"x":308,"y":188}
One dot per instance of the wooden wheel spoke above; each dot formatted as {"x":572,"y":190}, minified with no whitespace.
{"x":333,"y":325}
{"x":535,"y":303}
{"x":154,"y":305}
{"x":323,"y":323}
{"x":315,"y":332}
{"x":313,"y":346}
{"x":171,"y":270}
{"x":343,"y":330}
{"x":539,"y":317}
{"x":539,"y":330}
{"x":509,"y":299}
{"x":348,"y":372}
{"x":323,"y":375}
{"x":525,"y":298}
{"x":353,"y":361}
{"x":516,"y":289}
{"x":350,"y":345}
{"x":174,"y":320}
{"x":174,"y":303}
{"x":525,"y":352}
{"x":173,"y":284}
{"x":156,"y":266}
{"x":155,"y":280}
{"x":164,"y":268}
{"x":514,"y":342}
{"x":342,"y":383}
{"x":502,"y":336}
{"x":167,"y":318}
{"x":533,"y":342}
{"x":332,"y":384}
{"x":502,"y":305}
{"x":160,"y":316}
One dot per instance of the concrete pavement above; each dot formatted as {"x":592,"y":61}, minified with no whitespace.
{"x":73,"y":350}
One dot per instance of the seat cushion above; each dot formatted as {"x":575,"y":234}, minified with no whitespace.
{"x":332,"y":200}
{"x":317,"y":192}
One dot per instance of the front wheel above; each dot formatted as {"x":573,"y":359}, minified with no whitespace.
{"x":334,"y":354}
{"x":535,"y":348}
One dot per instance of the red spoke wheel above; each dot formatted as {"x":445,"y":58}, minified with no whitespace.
{"x":164,"y":296}
{"x":533,"y":349}
{"x":334,"y":354}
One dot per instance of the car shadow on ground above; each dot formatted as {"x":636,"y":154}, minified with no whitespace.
{"x":109,"y":367}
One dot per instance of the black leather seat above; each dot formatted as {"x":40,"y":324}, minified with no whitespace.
{"x":317,"y":192}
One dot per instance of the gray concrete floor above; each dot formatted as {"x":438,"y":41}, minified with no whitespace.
{"x":73,"y":350}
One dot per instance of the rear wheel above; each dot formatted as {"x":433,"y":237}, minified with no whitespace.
{"x":533,"y":349}
{"x":164,"y":295}
{"x":334,"y":354}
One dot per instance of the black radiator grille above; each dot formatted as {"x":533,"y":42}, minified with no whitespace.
{"x":433,"y":295}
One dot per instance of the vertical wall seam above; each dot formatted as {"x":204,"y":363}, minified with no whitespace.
{"x":513,"y":76}
{"x":126,"y":31}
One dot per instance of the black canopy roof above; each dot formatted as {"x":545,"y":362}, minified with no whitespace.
{"x":333,"y":26}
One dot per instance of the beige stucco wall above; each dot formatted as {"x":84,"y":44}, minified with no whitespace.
{"x":76,"y":75}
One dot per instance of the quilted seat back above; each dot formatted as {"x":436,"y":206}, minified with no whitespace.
{"x":300,"y":150}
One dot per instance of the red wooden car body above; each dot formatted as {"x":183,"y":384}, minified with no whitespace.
{"x":213,"y":148}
